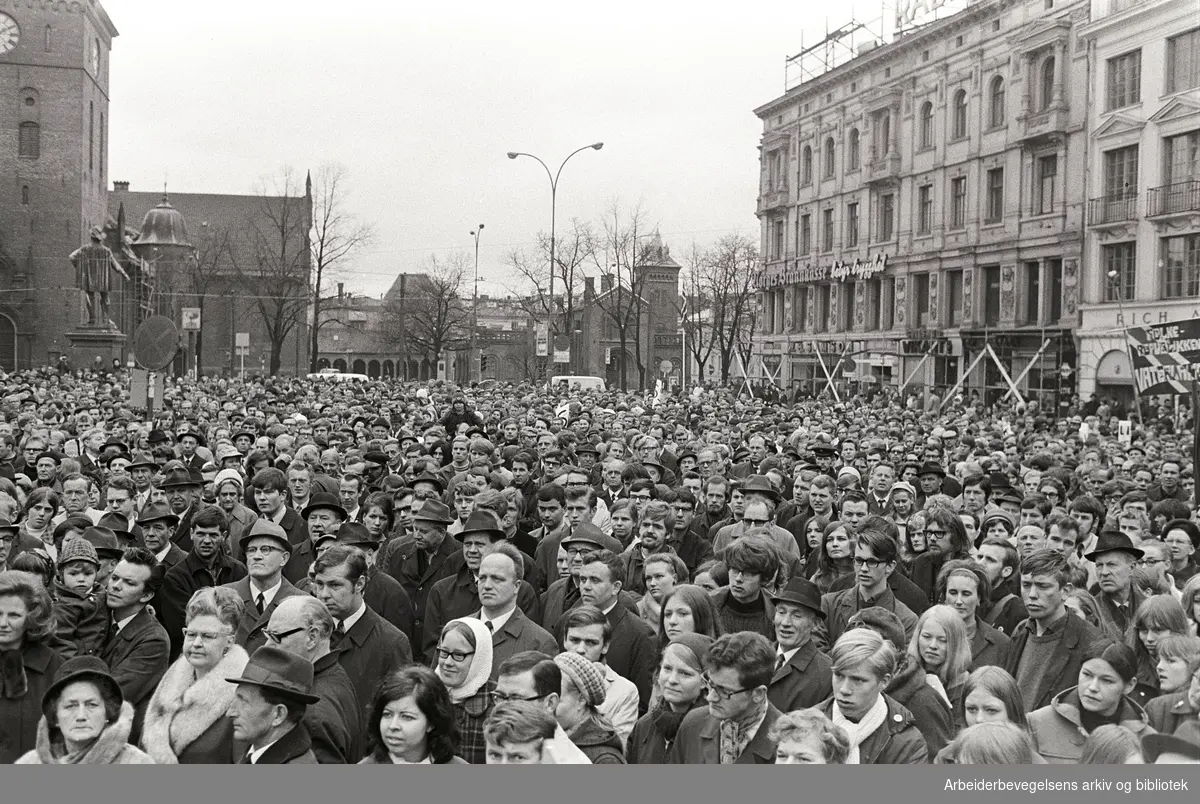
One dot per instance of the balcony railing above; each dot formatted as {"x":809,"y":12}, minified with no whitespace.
{"x":1171,"y":199}
{"x":1112,"y":209}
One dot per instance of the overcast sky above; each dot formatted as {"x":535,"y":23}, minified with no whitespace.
{"x":420,"y":102}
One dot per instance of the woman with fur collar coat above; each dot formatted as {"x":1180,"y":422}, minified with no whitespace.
{"x":185,"y":721}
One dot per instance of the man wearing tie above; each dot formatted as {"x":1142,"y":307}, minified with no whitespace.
{"x":266,"y":549}
{"x":273,"y":693}
{"x":803,"y":674}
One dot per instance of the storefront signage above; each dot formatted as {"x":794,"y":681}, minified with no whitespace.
{"x":1165,"y":357}
{"x":839,"y":270}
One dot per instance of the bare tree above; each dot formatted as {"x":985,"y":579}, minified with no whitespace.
{"x":696,"y":307}
{"x":619,"y":253}
{"x":336,"y":236}
{"x":731,"y":270}
{"x":272,"y":262}
{"x":433,"y":316}
{"x":212,"y":252}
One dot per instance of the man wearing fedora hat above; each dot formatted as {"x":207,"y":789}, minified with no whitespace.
{"x":427,"y":559}
{"x":266,"y":549}
{"x":803,"y":674}
{"x":157,"y":524}
{"x":457,"y":595}
{"x":322,"y":517}
{"x":273,"y":694}
{"x":1114,"y":558}
{"x":189,"y":455}
{"x":182,"y":489}
{"x":141,"y":472}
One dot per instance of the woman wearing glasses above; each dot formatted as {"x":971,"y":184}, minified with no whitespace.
{"x":413,"y":722}
{"x":464,"y":664}
{"x":185,"y":721}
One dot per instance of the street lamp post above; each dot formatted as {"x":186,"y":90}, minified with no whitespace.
{"x":1118,"y":291}
{"x":596,"y":146}
{"x":471,"y":370}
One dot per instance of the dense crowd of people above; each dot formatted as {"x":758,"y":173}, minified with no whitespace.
{"x":283,"y":571}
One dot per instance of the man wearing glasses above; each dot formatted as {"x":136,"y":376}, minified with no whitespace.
{"x":534,"y":678}
{"x":1182,"y":539}
{"x":733,"y":728}
{"x":1156,"y":557}
{"x":302,"y":626}
{"x":266,"y":550}
{"x":875,"y":556}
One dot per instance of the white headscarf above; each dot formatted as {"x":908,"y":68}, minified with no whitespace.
{"x":481,"y":662}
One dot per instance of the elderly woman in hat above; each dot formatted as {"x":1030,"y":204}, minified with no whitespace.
{"x":27,"y":663}
{"x":85,"y":719}
{"x":230,"y":490}
{"x":464,"y":664}
{"x":185,"y":720}
{"x":584,"y":689}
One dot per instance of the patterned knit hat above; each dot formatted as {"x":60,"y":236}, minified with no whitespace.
{"x":78,"y":549}
{"x":585,"y":675}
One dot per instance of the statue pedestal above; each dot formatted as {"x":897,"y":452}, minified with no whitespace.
{"x":91,"y":341}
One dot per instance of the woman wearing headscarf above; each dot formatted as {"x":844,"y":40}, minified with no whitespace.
{"x":464,"y":665}
{"x":27,"y":662}
{"x":185,"y":721}
{"x":681,"y":688}
{"x":85,"y":719}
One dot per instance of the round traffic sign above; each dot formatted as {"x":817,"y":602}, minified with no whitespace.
{"x":155,"y":343}
{"x":666,"y":367}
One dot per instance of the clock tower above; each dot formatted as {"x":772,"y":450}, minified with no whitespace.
{"x":54,"y":69}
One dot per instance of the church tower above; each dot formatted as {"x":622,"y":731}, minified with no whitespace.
{"x":658,"y":283}
{"x":54,"y":119}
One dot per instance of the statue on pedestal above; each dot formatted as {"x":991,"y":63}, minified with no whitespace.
{"x":94,"y":266}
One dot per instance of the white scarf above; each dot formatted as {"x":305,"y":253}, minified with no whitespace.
{"x":938,"y":687}
{"x":857,"y":732}
{"x":481,"y":662}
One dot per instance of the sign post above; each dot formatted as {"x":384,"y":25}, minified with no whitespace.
{"x":191,"y":325}
{"x":241,"y":341}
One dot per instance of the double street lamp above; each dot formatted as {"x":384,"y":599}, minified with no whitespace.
{"x":595,"y":146}
{"x":472,"y":373}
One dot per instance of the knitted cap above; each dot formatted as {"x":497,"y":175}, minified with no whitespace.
{"x":585,"y":675}
{"x":882,"y":622}
{"x":78,"y":549}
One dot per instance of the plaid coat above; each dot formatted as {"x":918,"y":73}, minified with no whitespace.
{"x":470,"y":715}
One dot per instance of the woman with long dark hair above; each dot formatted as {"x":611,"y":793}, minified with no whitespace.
{"x":413,"y":722}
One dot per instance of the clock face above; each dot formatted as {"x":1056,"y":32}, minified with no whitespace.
{"x":10,"y":33}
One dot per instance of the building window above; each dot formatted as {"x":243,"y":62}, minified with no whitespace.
{"x":991,"y":295}
{"x":920,"y":286}
{"x":958,"y":202}
{"x":800,"y":308}
{"x":827,"y":230}
{"x":806,"y":166}
{"x":25,"y":195}
{"x":996,"y":110}
{"x":925,"y":209}
{"x":829,"y":158}
{"x":774,"y":170}
{"x":1119,"y":261}
{"x":806,"y":234}
{"x":91,"y":135}
{"x":821,"y":313}
{"x":887,"y":216}
{"x":1182,"y":155}
{"x":1054,"y":289}
{"x":1047,"y":174}
{"x":30,"y":145}
{"x":874,"y":296}
{"x":49,"y":35}
{"x":1121,"y":173}
{"x":777,"y":239}
{"x":102,"y":148}
{"x":927,"y":124}
{"x":1181,"y":266}
{"x":1047,"y":85}
{"x":882,"y":134}
{"x":852,"y":159}
{"x":1183,"y":61}
{"x":1033,"y":292}
{"x":954,"y":298}
{"x":1125,"y":80}
{"x":995,"y":195}
{"x":852,"y":225}
{"x":960,"y":114}
{"x":848,"y":299}
{"x":887,"y":292}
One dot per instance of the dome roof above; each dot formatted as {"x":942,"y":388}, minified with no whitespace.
{"x":164,"y":226}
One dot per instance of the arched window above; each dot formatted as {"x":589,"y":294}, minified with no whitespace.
{"x":1047,"y":84}
{"x":996,"y":103}
{"x":853,"y":148}
{"x":806,"y":166}
{"x":829,"y":158}
{"x":25,"y":195}
{"x":927,"y":124}
{"x":960,"y":114}
{"x":30,"y":146}
{"x":49,"y":38}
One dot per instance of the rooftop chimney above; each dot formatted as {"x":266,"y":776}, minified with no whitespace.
{"x":606,"y":283}
{"x":121,"y":186}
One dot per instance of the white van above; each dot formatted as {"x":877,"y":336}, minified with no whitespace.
{"x":580,"y":382}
